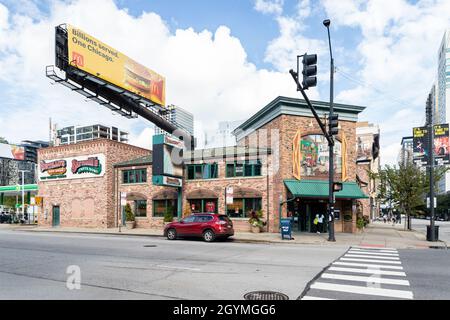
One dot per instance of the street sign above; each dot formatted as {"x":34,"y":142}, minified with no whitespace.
{"x":123,"y":198}
{"x":428,"y":202}
{"x":229,"y":195}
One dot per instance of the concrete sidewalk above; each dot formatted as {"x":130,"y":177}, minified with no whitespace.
{"x":376,"y":235}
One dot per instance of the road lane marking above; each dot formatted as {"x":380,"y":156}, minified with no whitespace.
{"x":180,"y":268}
{"x":374,"y":253}
{"x":314,"y":298}
{"x":363,"y":290}
{"x":368,"y":265}
{"x":365,"y":279}
{"x":375,"y":248}
{"x":369,"y":271}
{"x":371,"y":257}
{"x":370,"y":260}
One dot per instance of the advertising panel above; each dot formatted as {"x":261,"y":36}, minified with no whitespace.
{"x":167,"y":156}
{"x":100,"y":60}
{"x":10,"y":151}
{"x":82,"y":167}
{"x":441,"y":144}
{"x":420,"y":145}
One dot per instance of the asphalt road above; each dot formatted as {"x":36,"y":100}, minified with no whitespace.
{"x":444,"y":228}
{"x":35,"y":266}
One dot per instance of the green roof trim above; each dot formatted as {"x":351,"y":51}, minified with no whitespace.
{"x":146,"y":160}
{"x":27,"y":187}
{"x":320,"y":189}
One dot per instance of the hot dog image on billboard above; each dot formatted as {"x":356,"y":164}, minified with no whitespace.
{"x":104,"y":62}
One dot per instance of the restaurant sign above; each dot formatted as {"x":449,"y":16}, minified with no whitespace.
{"x":82,"y":167}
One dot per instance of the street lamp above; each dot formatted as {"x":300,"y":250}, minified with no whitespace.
{"x":331,"y":237}
{"x":23,"y":191}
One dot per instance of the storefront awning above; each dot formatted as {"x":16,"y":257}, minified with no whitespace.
{"x":201,"y":194}
{"x":18,"y":188}
{"x":166,"y":195}
{"x":319,"y":189}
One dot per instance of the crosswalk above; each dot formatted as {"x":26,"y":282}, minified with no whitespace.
{"x":362,"y":273}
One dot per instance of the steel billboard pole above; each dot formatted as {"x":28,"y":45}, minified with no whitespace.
{"x":431,"y":165}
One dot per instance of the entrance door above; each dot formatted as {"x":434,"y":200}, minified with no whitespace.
{"x":55,"y":216}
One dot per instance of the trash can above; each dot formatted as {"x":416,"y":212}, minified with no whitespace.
{"x":286,"y":228}
{"x":436,"y":233}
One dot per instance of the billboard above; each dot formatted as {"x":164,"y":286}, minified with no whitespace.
{"x":11,"y":151}
{"x":167,"y":156}
{"x":100,"y":60}
{"x":82,"y":167}
{"x":420,"y":145}
{"x":441,"y":144}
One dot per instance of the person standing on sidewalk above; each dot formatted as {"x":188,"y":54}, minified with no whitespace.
{"x":320,"y":218}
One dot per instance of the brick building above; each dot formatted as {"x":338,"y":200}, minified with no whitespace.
{"x":281,"y":156}
{"x":77,"y":182}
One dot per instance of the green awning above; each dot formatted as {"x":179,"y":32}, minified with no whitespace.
{"x":319,"y":189}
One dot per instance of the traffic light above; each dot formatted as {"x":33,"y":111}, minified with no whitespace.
{"x":309,"y":71}
{"x":334,"y":124}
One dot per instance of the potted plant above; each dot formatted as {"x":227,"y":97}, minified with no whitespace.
{"x":168,"y":217}
{"x":255,"y":221}
{"x":129,"y":217}
{"x":360,"y":224}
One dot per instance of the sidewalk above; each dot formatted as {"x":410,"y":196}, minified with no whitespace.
{"x":376,"y":235}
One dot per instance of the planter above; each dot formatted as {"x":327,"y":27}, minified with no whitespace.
{"x":256,"y":229}
{"x":130,"y":224}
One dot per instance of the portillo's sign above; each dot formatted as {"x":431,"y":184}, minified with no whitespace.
{"x":72,"y":168}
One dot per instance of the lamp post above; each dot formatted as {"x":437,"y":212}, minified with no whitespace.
{"x":331,"y":237}
{"x":23,"y":190}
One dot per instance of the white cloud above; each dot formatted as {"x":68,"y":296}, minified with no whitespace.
{"x":207,"y":72}
{"x":397,"y":58}
{"x":269,"y":6}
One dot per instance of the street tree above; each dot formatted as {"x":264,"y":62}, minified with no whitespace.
{"x":405,"y":187}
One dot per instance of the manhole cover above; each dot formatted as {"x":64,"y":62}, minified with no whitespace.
{"x":265,"y":295}
{"x":149,"y":246}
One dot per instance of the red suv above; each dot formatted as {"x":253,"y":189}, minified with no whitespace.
{"x":205,"y":225}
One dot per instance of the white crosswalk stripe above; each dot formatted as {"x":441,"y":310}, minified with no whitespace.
{"x":362,"y":273}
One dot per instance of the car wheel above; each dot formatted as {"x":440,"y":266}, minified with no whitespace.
{"x":209,"y":236}
{"x":171,"y":234}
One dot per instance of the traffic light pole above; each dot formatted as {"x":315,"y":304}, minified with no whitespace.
{"x":331,"y":144}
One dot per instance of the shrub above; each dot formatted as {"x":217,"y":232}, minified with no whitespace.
{"x":255,"y":218}
{"x":168,"y":216}
{"x":129,"y":215}
{"x":360,"y":223}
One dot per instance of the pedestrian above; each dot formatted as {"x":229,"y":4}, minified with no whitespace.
{"x":384,"y":218}
{"x":319,"y":224}
{"x":393,"y":220}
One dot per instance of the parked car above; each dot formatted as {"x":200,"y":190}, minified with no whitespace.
{"x":5,"y":217}
{"x":205,"y":225}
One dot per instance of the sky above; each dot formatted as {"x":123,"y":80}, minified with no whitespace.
{"x":226,"y":59}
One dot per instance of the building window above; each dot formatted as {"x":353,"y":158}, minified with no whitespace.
{"x":134,"y":176}
{"x":203,"y":205}
{"x":140,"y":208}
{"x":160,"y":207}
{"x":242,"y":207}
{"x":251,"y":168}
{"x":202,"y":171}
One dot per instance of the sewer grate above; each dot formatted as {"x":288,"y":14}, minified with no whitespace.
{"x":149,"y":246}
{"x":265,"y":295}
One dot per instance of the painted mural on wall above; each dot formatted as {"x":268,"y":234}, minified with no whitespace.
{"x":314,"y":156}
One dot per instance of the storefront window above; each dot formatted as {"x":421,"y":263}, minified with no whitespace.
{"x":242,"y":207}
{"x":140,"y":208}
{"x":134,"y":176}
{"x":203,"y":205}
{"x":161,"y":206}
{"x":202,"y":171}
{"x":250,"y":168}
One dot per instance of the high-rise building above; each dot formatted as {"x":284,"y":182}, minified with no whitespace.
{"x":440,"y":93}
{"x":406,"y":152}
{"x":180,"y":118}
{"x":74,"y":134}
